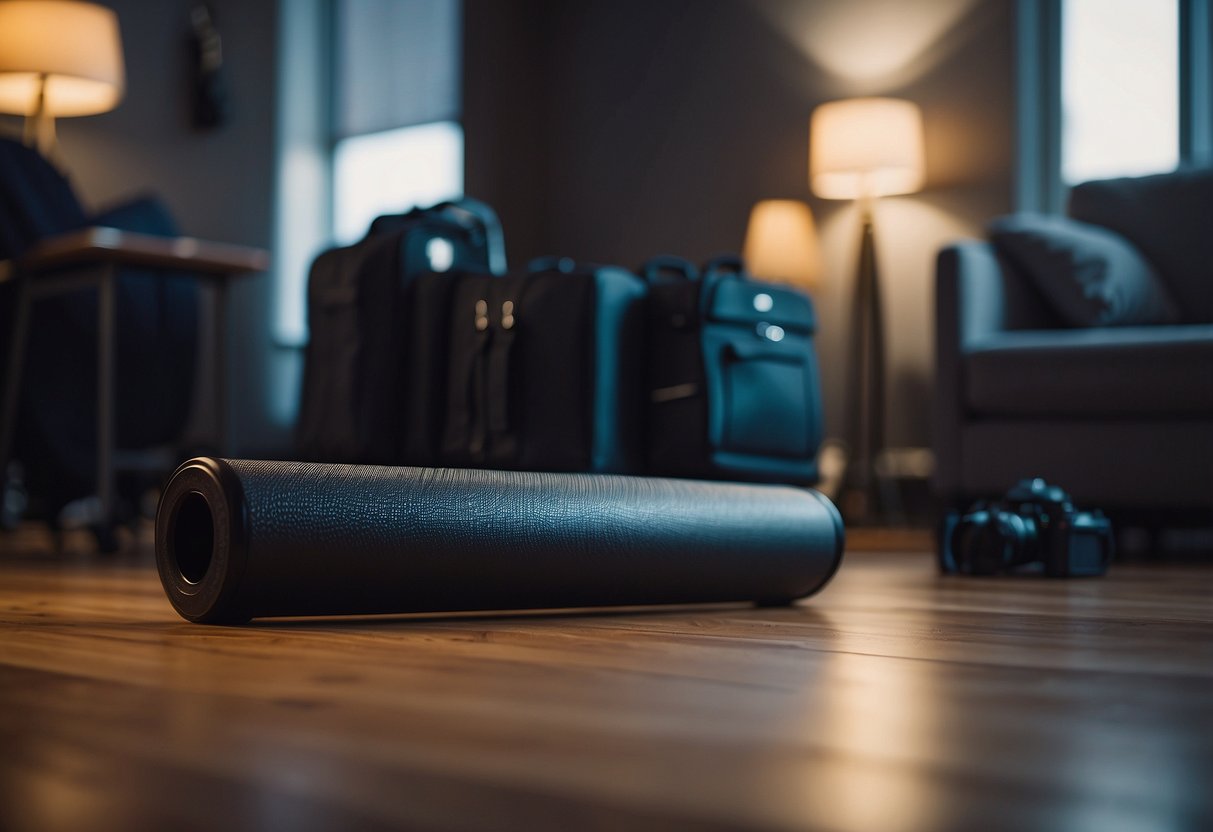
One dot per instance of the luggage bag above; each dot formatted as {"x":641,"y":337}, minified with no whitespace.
{"x":359,"y":297}
{"x":733,"y":386}
{"x":539,"y":370}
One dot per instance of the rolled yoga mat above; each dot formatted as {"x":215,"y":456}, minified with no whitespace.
{"x":239,"y":539}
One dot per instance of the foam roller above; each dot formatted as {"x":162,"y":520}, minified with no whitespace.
{"x":242,"y":539}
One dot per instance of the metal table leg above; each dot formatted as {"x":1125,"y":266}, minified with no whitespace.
{"x":12,"y":378}
{"x":105,"y":394}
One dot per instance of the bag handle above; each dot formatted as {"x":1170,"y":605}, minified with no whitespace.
{"x":655,"y":267}
{"x":726,"y":264}
{"x":484,"y":217}
{"x":472,"y":214}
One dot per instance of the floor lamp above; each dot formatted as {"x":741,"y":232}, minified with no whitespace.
{"x":863,"y":149}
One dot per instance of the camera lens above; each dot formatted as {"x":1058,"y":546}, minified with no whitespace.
{"x":989,"y":542}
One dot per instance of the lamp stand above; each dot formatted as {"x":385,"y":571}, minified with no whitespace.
{"x":860,"y":496}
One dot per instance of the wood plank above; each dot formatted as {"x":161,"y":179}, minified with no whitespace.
{"x":897,"y":699}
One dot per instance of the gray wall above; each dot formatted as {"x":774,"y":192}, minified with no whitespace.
{"x":611,"y":130}
{"x":218,"y":184}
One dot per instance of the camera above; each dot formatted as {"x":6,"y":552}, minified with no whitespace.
{"x":1034,"y":529}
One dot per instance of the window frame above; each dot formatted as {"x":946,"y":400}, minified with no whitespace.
{"x":1038,"y":179}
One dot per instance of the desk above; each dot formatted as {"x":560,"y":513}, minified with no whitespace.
{"x":894,"y":700}
{"x":92,"y":257}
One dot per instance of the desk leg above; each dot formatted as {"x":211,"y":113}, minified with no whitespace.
{"x":12,"y":379}
{"x":105,"y":394}
{"x":219,"y":317}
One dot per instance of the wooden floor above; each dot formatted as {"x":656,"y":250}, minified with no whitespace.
{"x":895,"y":700}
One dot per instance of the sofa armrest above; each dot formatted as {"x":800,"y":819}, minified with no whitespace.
{"x":982,"y":294}
{"x":977,"y":295}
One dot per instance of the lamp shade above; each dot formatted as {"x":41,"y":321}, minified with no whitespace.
{"x":865,"y":147}
{"x":781,"y":243}
{"x":75,"y":46}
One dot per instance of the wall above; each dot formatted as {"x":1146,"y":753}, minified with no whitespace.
{"x":505,"y":116}
{"x":607,"y":130}
{"x":218,"y":184}
{"x":611,"y":130}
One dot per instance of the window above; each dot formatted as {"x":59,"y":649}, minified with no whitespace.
{"x":393,"y":171}
{"x":1109,"y":88}
{"x":1119,"y":88}
{"x":369,"y":108}
{"x":398,"y":143}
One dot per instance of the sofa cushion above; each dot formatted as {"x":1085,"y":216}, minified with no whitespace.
{"x":1089,"y":275}
{"x":1108,"y":373}
{"x":1169,"y":218}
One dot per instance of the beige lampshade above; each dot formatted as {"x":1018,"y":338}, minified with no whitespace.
{"x":76,"y":46}
{"x":781,"y":243}
{"x":865,"y":147}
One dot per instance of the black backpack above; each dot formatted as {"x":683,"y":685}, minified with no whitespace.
{"x":359,"y":301}
{"x":733,"y":384}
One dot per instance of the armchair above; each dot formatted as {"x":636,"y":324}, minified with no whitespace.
{"x":99,"y":330}
{"x":1120,"y":416}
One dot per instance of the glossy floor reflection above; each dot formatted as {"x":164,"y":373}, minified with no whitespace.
{"x":896,"y":699}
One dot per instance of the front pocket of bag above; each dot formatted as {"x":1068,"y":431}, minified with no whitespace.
{"x":765,"y":403}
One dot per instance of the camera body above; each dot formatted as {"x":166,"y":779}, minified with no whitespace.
{"x":1034,"y":529}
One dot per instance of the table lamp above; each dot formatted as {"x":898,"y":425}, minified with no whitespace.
{"x":57,"y":58}
{"x":863,"y":149}
{"x":781,"y":243}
